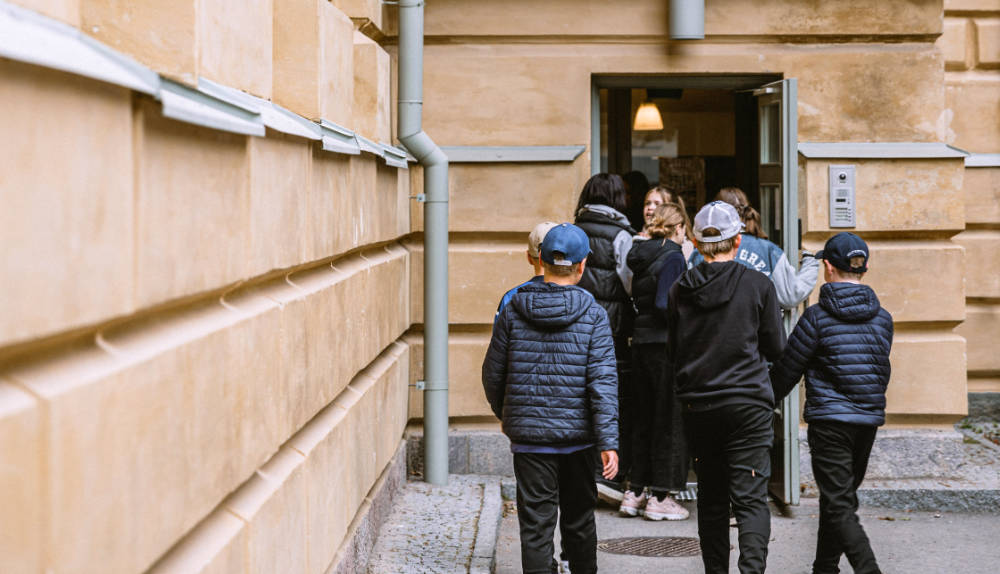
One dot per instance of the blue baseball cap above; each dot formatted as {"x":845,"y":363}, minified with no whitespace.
{"x":565,"y":244}
{"x":841,"y":248}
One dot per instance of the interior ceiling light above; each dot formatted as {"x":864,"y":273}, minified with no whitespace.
{"x":648,"y":118}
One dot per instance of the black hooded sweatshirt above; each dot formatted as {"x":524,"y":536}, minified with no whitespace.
{"x":723,"y":326}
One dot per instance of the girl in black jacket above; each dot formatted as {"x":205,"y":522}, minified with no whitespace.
{"x":659,"y":451}
{"x":600,"y":212}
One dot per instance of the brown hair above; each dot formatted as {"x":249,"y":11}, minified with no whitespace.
{"x":665,"y":220}
{"x":670,"y":196}
{"x":560,"y":270}
{"x":713,"y":250}
{"x":751,"y":218}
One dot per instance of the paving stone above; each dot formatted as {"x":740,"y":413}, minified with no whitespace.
{"x":440,"y":529}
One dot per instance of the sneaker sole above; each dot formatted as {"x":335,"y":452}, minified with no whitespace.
{"x":608,"y":494}
{"x":629,"y":512}
{"x":658,"y":517}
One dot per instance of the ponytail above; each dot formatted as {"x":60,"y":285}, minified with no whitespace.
{"x":748,"y":215}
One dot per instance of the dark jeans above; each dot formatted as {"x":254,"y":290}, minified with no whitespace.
{"x":839,"y":460}
{"x":659,"y":447}
{"x":551,"y":485}
{"x":731,"y":447}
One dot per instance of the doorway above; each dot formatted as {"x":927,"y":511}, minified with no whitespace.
{"x":710,"y":132}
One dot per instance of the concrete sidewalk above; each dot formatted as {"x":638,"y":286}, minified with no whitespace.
{"x":904,"y":542}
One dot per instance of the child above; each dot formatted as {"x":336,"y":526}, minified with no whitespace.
{"x":842,"y":346}
{"x":756,"y":252}
{"x":727,"y":317}
{"x":534,"y":241}
{"x":550,"y":376}
{"x":659,"y":451}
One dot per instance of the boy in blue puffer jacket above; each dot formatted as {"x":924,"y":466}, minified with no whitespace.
{"x":842,"y":346}
{"x":550,"y":375}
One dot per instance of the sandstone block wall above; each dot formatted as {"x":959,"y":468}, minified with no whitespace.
{"x":867,"y":72}
{"x":970,"y":44}
{"x":201,"y":357}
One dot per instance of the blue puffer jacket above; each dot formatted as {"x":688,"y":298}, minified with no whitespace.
{"x":842,"y":346}
{"x":550,"y":373}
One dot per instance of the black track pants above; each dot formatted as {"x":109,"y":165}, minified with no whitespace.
{"x":840,"y":454}
{"x":732,"y":450}
{"x":551,"y":486}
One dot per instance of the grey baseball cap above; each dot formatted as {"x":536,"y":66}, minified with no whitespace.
{"x":720,"y":216}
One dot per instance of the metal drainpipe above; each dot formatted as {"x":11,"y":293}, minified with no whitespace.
{"x":687,"y":19}
{"x":435,"y":163}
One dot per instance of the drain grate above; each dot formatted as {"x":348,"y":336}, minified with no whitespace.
{"x":659,"y":546}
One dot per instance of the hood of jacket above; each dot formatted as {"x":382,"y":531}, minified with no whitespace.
{"x":850,"y":302}
{"x":551,"y":306}
{"x":709,"y":285}
{"x":607,"y":211}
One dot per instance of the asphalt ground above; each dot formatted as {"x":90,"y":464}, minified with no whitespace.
{"x":904,"y":541}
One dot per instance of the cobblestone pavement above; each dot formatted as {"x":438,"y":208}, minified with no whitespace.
{"x":440,"y":529}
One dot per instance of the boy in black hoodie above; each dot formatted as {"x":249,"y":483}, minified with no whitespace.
{"x":723,"y":326}
{"x":842,"y":346}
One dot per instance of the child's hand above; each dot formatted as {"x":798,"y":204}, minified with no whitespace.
{"x":610,"y":460}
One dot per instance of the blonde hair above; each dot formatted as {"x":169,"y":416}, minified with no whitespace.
{"x":751,"y":218}
{"x":665,"y":220}
{"x":713,"y":250}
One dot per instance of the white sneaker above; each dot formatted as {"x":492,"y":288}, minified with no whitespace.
{"x":666,"y":509}
{"x":632,"y":503}
{"x":564,"y":567}
{"x":607,"y":492}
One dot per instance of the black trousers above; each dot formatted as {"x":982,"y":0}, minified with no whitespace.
{"x":659,"y":448}
{"x":623,"y":355}
{"x":732,"y":456}
{"x":840,"y":454}
{"x":551,"y":485}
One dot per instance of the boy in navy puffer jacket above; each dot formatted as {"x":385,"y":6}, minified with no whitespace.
{"x":842,"y":346}
{"x":550,"y":375}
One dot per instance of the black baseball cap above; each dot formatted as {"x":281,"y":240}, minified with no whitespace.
{"x":841,"y":248}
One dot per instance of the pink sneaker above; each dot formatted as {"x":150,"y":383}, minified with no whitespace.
{"x":632,"y":504}
{"x":666,"y":509}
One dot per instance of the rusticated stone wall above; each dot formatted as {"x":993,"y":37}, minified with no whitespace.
{"x":971,"y":47}
{"x":867,"y":72}
{"x":201,"y":357}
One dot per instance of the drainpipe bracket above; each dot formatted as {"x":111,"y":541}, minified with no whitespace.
{"x":419,"y":385}
{"x":420,"y":197}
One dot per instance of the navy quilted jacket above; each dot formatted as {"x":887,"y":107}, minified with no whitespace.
{"x":550,"y":373}
{"x":842,"y":346}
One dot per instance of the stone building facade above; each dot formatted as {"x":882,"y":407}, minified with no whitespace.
{"x":202,"y":367}
{"x":885,"y":72}
{"x":207,"y":336}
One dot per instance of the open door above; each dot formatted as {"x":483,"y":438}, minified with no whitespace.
{"x":777,"y":169}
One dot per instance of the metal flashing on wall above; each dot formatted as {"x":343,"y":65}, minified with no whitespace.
{"x":983,"y":160}
{"x":273,"y":116}
{"x":34,"y":39}
{"x":188,"y":105}
{"x":879,"y":150}
{"x":369,"y":146}
{"x":338,"y":139}
{"x":394,"y":157}
{"x":512,"y":154}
